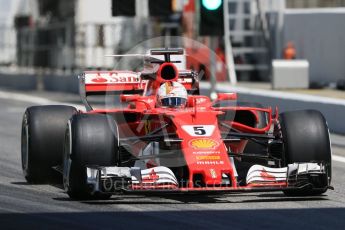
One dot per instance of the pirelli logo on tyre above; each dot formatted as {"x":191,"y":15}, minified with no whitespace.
{"x":203,"y":143}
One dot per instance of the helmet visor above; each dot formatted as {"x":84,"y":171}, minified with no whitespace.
{"x":173,"y":101}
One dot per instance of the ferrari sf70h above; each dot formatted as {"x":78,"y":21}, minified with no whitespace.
{"x":181,"y":142}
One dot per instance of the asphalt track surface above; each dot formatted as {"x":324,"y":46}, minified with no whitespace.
{"x":48,"y":207}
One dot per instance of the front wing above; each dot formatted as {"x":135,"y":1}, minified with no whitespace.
{"x":161,"y":179}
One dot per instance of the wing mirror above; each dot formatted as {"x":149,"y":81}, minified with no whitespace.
{"x":129,"y":97}
{"x":226,"y":96}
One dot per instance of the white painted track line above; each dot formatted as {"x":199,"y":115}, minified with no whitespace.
{"x":338,"y":158}
{"x":25,"y":98}
{"x":34,"y":99}
{"x":43,"y":101}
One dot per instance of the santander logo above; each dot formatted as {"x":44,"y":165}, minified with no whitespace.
{"x":112,"y":78}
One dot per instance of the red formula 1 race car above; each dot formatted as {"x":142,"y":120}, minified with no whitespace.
{"x":163,"y":136}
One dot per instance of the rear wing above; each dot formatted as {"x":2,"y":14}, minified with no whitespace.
{"x":102,"y":82}
{"x":126,"y":82}
{"x":109,"y":82}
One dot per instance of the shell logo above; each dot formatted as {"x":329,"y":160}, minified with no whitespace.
{"x":203,"y":143}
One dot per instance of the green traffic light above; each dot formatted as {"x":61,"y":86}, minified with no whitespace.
{"x":212,"y":4}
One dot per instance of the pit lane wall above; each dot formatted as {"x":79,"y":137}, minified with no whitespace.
{"x":332,"y":109}
{"x":48,"y":82}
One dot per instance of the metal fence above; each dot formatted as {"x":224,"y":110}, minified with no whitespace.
{"x":66,"y":46}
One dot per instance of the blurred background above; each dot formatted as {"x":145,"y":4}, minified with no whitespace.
{"x":69,"y":36}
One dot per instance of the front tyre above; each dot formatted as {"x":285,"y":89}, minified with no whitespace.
{"x":91,"y":139}
{"x":306,"y":138}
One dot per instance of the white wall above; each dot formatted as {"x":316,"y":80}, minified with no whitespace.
{"x":319,"y":36}
{"x":8,"y":11}
{"x":94,"y":11}
{"x":88,"y":15}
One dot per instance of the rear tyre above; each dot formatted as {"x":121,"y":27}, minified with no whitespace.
{"x":306,"y":139}
{"x":43,"y":131}
{"x":91,"y":139}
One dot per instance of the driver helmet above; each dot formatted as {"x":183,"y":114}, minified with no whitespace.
{"x":172,"y":95}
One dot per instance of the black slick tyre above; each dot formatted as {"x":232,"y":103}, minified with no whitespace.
{"x":91,"y":139}
{"x":306,"y":138}
{"x":42,"y":140}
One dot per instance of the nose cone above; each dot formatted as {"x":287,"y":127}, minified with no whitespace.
{"x":203,"y":149}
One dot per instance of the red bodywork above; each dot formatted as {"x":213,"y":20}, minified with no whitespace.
{"x":204,"y":155}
